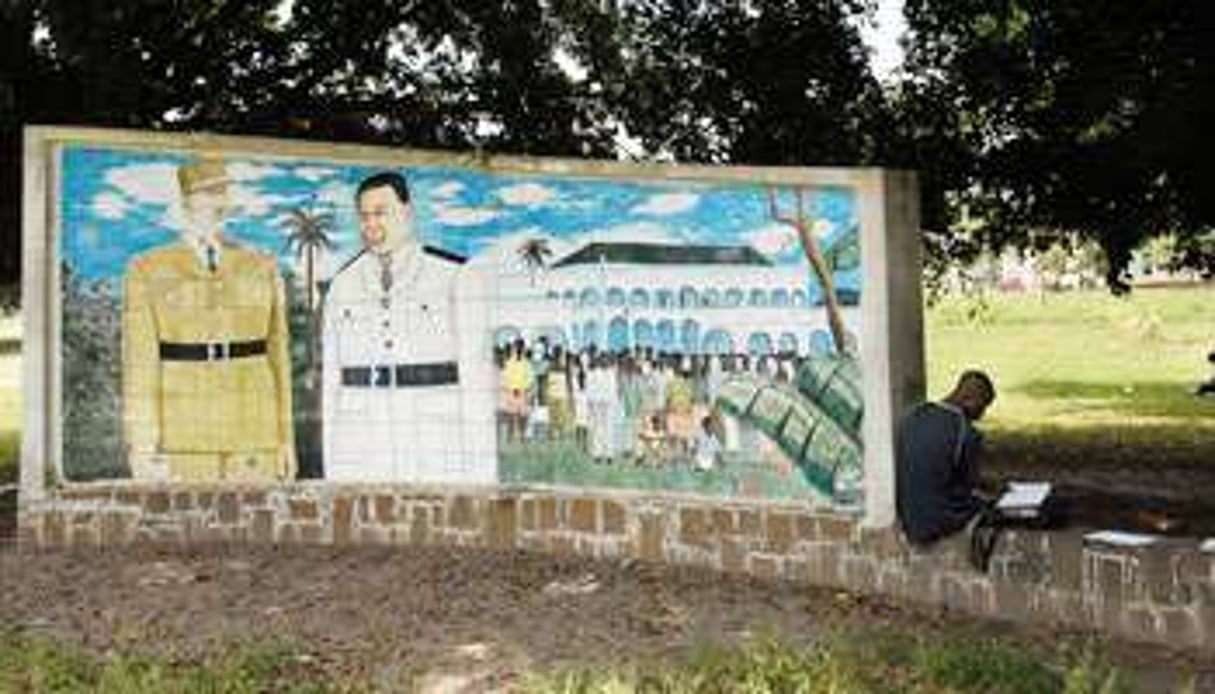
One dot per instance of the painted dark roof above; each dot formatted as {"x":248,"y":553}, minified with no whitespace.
{"x":663,"y":254}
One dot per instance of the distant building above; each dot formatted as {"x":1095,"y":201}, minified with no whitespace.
{"x":676,"y":298}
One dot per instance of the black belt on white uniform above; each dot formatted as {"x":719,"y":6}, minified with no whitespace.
{"x":211,"y":351}
{"x":401,"y":375}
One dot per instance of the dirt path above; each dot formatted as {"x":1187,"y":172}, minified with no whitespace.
{"x":390,"y":614}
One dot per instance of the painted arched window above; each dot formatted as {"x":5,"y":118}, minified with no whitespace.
{"x":639,"y":298}
{"x":687,"y":297}
{"x":759,"y":297}
{"x":618,"y":335}
{"x":689,"y":337}
{"x":821,"y":343}
{"x":665,"y":298}
{"x":592,"y":334}
{"x":718,"y":341}
{"x":569,"y":297}
{"x":787,"y":343}
{"x":588,"y":297}
{"x":506,"y":334}
{"x":780,"y":298}
{"x":666,"y":336}
{"x":759,"y":344}
{"x":734,"y":298}
{"x":710,"y":298}
{"x":615,"y":297}
{"x":643,"y":334}
{"x":799,"y":297}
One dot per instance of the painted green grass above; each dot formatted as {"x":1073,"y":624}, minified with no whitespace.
{"x":1086,"y":376}
{"x":562,"y":463}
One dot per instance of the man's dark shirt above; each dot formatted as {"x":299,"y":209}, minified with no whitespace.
{"x":937,"y":472}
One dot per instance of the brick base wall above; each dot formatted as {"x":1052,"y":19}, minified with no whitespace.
{"x":1163,"y":592}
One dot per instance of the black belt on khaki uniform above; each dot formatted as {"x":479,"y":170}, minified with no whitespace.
{"x":401,"y":375}
{"x":211,"y":351}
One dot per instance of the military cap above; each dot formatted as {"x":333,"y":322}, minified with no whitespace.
{"x":203,"y":173}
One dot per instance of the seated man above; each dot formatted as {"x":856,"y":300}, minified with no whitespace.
{"x":937,"y":462}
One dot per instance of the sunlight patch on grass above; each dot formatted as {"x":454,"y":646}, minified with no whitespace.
{"x":1085,"y":365}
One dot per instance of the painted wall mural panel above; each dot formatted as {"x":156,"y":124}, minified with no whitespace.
{"x":239,"y":316}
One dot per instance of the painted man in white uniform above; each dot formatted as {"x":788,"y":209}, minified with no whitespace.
{"x":408,"y":387}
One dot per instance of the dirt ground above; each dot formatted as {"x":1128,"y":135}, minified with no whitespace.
{"x":393,"y":614}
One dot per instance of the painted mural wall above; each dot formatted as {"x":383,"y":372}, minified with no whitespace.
{"x":239,"y":316}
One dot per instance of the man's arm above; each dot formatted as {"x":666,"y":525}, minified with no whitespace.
{"x":140,"y":375}
{"x":279,"y":354}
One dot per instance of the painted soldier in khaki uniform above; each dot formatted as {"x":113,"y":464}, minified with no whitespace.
{"x":206,"y":380}
{"x":408,"y":383}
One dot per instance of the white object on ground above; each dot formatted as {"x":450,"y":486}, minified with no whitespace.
{"x":1024,"y":499}
{"x":1118,"y":537}
{"x":587,"y":583}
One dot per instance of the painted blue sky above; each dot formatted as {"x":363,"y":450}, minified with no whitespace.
{"x":117,"y":204}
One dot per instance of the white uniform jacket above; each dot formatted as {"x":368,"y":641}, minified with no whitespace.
{"x":408,"y":382}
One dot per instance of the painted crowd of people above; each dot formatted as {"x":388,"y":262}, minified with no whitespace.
{"x":640,"y":406}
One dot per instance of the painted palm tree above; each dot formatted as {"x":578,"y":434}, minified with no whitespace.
{"x":823,"y":264}
{"x":308,"y":233}
{"x":534,"y":253}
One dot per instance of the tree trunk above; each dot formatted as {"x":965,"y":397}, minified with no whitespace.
{"x":830,"y":302}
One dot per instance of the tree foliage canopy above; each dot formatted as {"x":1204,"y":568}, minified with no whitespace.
{"x":1025,"y":118}
{"x":1084,"y":116}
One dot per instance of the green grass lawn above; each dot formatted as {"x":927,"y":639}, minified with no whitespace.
{"x":1086,"y":377}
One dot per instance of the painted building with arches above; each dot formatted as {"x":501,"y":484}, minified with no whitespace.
{"x":691,"y":299}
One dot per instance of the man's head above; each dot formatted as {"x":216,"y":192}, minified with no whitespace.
{"x":973,"y":393}
{"x":204,"y":196}
{"x":385,"y":215}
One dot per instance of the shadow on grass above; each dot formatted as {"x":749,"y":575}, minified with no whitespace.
{"x":1156,"y":479}
{"x":1135,"y":399}
{"x":1104,"y":446}
{"x":10,"y":444}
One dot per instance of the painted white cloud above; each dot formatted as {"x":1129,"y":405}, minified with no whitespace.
{"x":244,"y":171}
{"x":772,"y":240}
{"x":336,"y":193}
{"x":154,"y":184}
{"x":255,"y":203}
{"x":315,"y":174}
{"x":110,"y":205}
{"x":447,"y":189}
{"x":667,"y":204}
{"x":526,"y":194}
{"x":451,"y":215}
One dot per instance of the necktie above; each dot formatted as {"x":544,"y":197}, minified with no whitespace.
{"x":386,"y":272}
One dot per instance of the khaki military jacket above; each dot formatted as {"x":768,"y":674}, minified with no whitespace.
{"x":206,"y":370}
